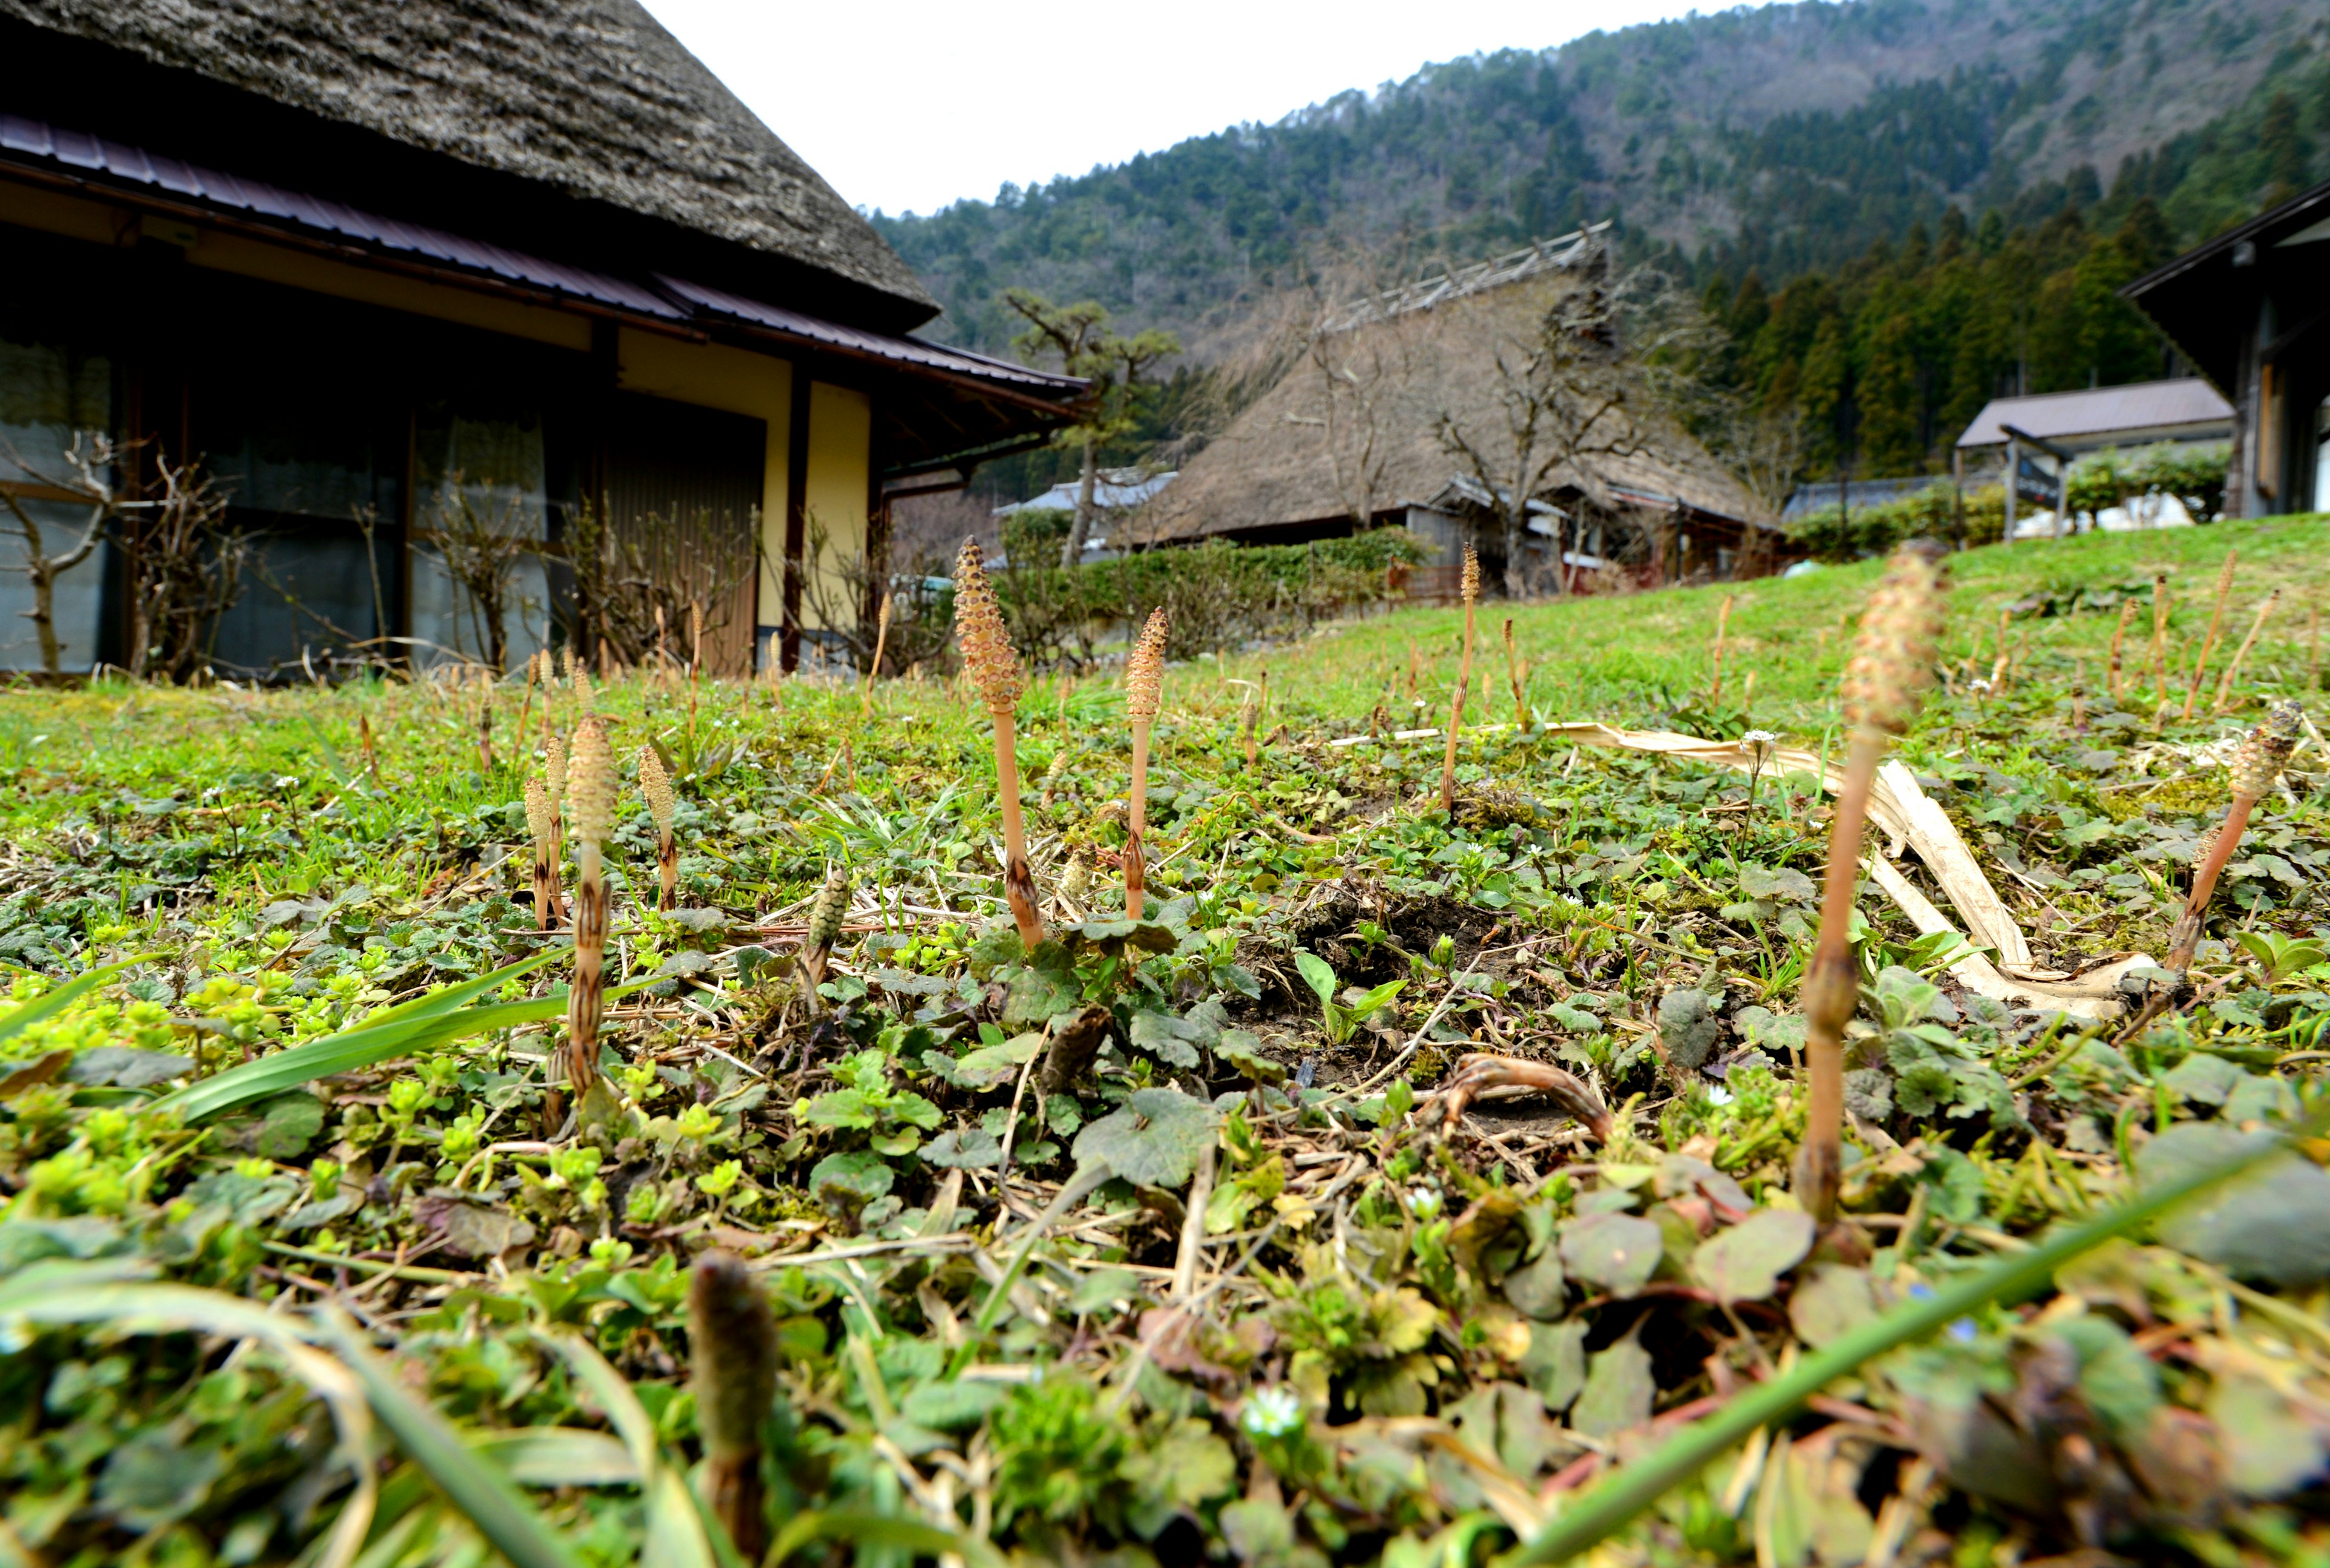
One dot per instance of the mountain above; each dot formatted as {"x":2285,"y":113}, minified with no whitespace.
{"x":1783,"y":139}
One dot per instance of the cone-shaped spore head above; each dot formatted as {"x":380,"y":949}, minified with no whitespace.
{"x":1472,"y":582}
{"x":987,"y":652}
{"x":832,"y":907}
{"x":1893,"y":662}
{"x":538,"y":811}
{"x":655,"y":784}
{"x":591,"y":784}
{"x":1145,"y":671}
{"x":553,"y":768}
{"x":732,"y":1353}
{"x":2266,"y":751}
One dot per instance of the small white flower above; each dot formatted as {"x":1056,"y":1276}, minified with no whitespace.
{"x":1978,"y":685}
{"x":1423,"y":1202}
{"x":287,"y":781}
{"x":1272,"y":1413}
{"x":1717,"y":1095}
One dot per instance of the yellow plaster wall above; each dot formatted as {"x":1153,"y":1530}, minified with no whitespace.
{"x":840,"y":452}
{"x":715,"y":375}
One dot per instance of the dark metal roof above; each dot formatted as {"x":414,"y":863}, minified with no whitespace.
{"x":855,"y":340}
{"x":172,"y":184}
{"x":2206,"y":300}
{"x":38,"y":143}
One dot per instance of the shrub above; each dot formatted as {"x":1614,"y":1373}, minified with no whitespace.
{"x":1215,"y":594}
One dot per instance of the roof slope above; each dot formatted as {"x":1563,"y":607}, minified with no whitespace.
{"x":589,"y":97}
{"x":2141,"y":410}
{"x":1277,"y":463}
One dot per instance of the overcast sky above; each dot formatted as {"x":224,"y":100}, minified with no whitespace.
{"x":911,"y":104}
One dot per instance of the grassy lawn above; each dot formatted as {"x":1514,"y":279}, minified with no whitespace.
{"x":1253,"y":1276}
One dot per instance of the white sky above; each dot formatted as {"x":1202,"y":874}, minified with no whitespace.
{"x":910,"y":104}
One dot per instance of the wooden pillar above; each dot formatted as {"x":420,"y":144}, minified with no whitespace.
{"x":2014,"y":473}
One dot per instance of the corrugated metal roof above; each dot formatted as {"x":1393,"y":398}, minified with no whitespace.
{"x":34,"y":141}
{"x":908,"y":350}
{"x":2147,"y":410}
{"x":37,"y":141}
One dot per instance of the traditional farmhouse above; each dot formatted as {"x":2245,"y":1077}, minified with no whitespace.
{"x":1428,"y":406}
{"x":2252,"y":311}
{"x":410,"y":278}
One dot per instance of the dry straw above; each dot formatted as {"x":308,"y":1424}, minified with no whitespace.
{"x":655,"y":786}
{"x":1144,"y":687}
{"x":993,"y":666}
{"x":1471,"y":591}
{"x":1891,"y":664}
{"x":590,"y":807}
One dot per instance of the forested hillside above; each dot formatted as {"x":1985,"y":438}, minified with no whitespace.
{"x":1899,"y":209}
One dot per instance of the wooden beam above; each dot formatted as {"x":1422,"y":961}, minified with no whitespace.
{"x":796,"y":565}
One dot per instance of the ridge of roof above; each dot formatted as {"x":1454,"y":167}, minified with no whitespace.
{"x":592,"y":98}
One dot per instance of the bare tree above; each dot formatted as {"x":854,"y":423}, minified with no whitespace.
{"x":1551,"y":392}
{"x":632,"y":580}
{"x":182,"y":566}
{"x":1764,"y":446}
{"x":481,"y":547}
{"x":836,"y":587}
{"x":92,"y":460}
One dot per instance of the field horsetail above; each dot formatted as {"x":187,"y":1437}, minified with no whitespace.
{"x":993,"y":666}
{"x":663,"y":806}
{"x":1144,"y":683}
{"x":1891,"y":665}
{"x":591,"y":805}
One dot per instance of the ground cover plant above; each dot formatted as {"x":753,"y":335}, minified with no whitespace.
{"x":1404,"y":1182}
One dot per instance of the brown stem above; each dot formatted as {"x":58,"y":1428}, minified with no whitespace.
{"x":1832,"y":989}
{"x":2156,"y":655}
{"x":2186,"y":940}
{"x":486,"y":737}
{"x":2209,"y":644}
{"x":1722,"y":627}
{"x":667,"y":871}
{"x":1456,"y":718}
{"x":586,"y":1000}
{"x":881,"y":640}
{"x":1513,"y":675}
{"x":547,"y":911}
{"x":2119,"y":634}
{"x":733,"y":1370}
{"x":1136,"y":818}
{"x":2240,"y":654}
{"x":1019,"y":881}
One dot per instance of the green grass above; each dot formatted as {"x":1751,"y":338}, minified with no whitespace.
{"x":267,"y":897}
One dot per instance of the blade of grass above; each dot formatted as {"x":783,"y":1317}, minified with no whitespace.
{"x":484,"y":1493}
{"x":875,"y":1529}
{"x":676,"y":1533}
{"x":1608,"y":1508}
{"x":354,"y":1048}
{"x":64,"y":996}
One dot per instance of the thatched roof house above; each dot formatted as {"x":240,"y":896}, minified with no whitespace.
{"x":1356,"y":432}
{"x":376,"y":256}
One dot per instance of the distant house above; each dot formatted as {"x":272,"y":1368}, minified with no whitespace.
{"x":2032,"y":437}
{"x":2252,"y":311}
{"x":1857,"y":495}
{"x":1115,"y":490}
{"x":377,"y":260}
{"x":1348,"y":437}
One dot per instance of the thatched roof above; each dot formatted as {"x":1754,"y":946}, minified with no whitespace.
{"x":592,"y":97}
{"x":1288,"y":459}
